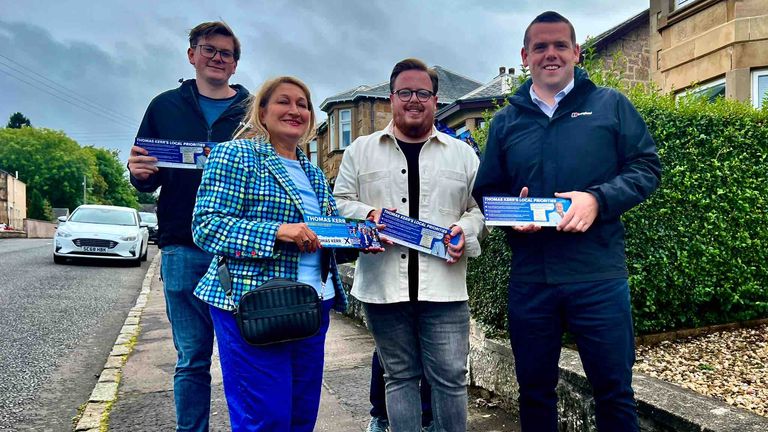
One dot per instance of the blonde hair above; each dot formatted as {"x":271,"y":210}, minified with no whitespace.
{"x":252,"y":126}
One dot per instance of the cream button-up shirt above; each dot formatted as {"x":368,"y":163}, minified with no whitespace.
{"x":373,"y":175}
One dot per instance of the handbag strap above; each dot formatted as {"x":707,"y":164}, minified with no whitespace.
{"x":225,"y":280}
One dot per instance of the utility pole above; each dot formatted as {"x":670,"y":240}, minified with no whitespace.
{"x":84,"y":189}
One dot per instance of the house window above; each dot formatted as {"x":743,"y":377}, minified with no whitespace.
{"x":345,"y":128}
{"x":461,"y":130}
{"x":332,"y":130}
{"x":682,"y":3}
{"x":711,"y":90}
{"x":760,"y":88}
{"x":313,"y":151}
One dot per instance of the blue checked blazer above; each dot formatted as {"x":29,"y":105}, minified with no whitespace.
{"x":245,"y":195}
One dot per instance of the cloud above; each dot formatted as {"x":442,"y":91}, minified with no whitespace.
{"x":120,"y":55}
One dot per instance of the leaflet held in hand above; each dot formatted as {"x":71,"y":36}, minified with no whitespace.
{"x":177,"y":154}
{"x":514,"y":211}
{"x":415,"y":234}
{"x":337,"y":232}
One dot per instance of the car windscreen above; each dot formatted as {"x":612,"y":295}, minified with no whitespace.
{"x":150,"y":218}
{"x":103,"y":216}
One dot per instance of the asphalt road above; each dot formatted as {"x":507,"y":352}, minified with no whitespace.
{"x":57,"y":326}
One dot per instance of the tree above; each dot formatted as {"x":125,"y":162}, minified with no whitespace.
{"x":110,"y":186}
{"x":17,"y":121}
{"x":53,"y":167}
{"x":50,"y":164}
{"x":146,"y":197}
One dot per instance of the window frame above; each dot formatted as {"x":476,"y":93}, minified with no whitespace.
{"x":313,"y":155}
{"x":756,"y":98}
{"x":703,"y":87}
{"x":676,"y":5}
{"x":342,"y":123}
{"x":332,"y":130}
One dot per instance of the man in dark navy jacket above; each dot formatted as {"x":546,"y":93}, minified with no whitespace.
{"x":563,"y":136}
{"x":206,"y":109}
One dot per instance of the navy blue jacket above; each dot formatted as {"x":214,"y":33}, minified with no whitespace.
{"x":595,"y":142}
{"x":176,"y":115}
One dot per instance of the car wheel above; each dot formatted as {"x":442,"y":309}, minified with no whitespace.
{"x":59,"y":259}
{"x":146,"y":252}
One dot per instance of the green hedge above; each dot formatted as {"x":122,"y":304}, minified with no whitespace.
{"x":697,"y":250}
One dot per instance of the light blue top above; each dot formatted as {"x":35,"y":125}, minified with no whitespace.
{"x":309,"y":263}
{"x":212,"y":108}
{"x":550,"y":110}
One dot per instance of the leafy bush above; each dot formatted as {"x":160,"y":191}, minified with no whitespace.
{"x":697,"y":249}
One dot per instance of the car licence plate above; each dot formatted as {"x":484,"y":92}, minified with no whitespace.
{"x":94,"y":249}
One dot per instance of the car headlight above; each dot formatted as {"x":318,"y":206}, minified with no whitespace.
{"x":63,"y":234}
{"x":128,"y":238}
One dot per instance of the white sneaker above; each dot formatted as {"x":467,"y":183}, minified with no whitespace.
{"x":378,"y":424}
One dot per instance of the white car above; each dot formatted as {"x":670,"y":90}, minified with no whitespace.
{"x":101,"y":231}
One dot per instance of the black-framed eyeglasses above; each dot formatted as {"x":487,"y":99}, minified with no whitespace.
{"x":209,"y":51}
{"x":422,"y":95}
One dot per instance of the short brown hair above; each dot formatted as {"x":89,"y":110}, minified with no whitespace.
{"x":548,"y":17}
{"x":254,"y":127}
{"x":412,"y":64}
{"x":206,"y":29}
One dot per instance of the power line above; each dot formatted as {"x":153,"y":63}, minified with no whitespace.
{"x":62,"y":89}
{"x":84,"y":108}
{"x":64,"y":98}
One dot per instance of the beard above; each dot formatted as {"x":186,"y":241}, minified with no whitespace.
{"x":412,"y":128}
{"x":415,"y":130}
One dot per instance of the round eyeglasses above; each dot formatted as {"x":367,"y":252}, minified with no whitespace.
{"x":421,"y":94}
{"x":209,"y":51}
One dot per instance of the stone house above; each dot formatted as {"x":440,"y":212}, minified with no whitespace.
{"x":631,"y":39}
{"x":364,"y":110}
{"x":721,"y":45}
{"x":466,"y":112}
{"x":13,"y":200}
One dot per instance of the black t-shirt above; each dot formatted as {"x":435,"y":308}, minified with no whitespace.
{"x":411,"y":152}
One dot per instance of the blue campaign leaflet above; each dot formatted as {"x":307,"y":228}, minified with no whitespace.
{"x":337,"y":232}
{"x":177,"y":154}
{"x":514,"y":211}
{"x":415,"y":234}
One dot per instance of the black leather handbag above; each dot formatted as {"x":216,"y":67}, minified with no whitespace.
{"x":280,"y":310}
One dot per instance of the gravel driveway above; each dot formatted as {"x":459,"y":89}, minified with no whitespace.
{"x":730,"y":365}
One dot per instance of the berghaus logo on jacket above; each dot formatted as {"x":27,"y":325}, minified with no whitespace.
{"x":583,"y":113}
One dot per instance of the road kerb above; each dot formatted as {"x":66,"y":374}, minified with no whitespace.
{"x":104,"y":394}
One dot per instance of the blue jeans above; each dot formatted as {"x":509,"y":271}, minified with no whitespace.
{"x":598,"y":315}
{"x":377,"y":394}
{"x":273,"y":387}
{"x":423,"y":337}
{"x":182,"y":267}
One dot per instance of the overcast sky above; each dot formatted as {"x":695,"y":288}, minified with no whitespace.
{"x":90,"y":68}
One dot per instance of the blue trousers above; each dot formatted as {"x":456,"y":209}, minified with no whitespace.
{"x":598,"y":315}
{"x":273,"y":388}
{"x":192,"y":329}
{"x":378,"y":393}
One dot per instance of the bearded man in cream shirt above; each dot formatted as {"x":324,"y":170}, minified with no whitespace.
{"x":415,"y":303}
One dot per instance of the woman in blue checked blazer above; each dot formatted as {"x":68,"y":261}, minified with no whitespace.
{"x":250,"y":209}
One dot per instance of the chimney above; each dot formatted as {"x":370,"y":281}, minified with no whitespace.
{"x":502,"y":70}
{"x":511,"y":71}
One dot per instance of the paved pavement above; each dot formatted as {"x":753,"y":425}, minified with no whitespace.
{"x":145,"y":396}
